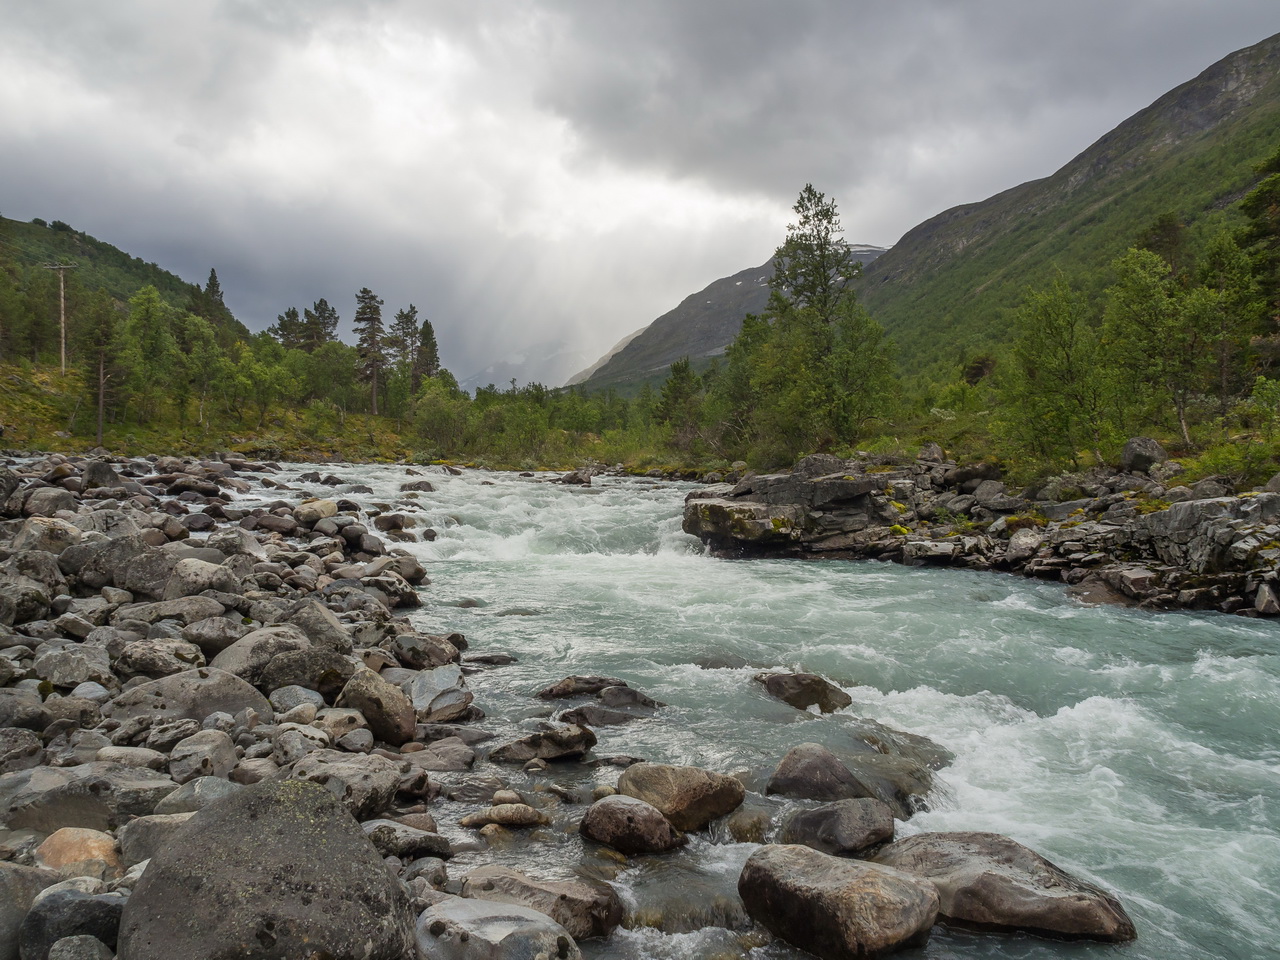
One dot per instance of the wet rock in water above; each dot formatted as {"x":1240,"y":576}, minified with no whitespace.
{"x":630,"y":826}
{"x":804,"y":690}
{"x":835,"y":908}
{"x":278,"y":871}
{"x":845,"y":828}
{"x":565,"y":741}
{"x":992,"y":882}
{"x":689,"y":797}
{"x":384,"y":705}
{"x":583,"y":908}
{"x":506,"y":815}
{"x":901,"y":783}
{"x":394,"y":839}
{"x":812,"y":772}
{"x":68,"y":913}
{"x":439,"y":695}
{"x":459,"y":929}
{"x":99,"y":796}
{"x":577,"y":686}
{"x":594,"y":715}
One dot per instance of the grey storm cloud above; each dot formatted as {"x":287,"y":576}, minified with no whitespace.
{"x":530,"y":173}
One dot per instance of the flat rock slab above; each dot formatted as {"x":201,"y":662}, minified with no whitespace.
{"x":277,"y":871}
{"x":990,"y":882}
{"x":836,"y":909}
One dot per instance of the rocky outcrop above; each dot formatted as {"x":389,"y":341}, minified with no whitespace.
{"x":1136,"y":536}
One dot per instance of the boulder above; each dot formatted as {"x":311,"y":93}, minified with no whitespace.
{"x":310,"y":512}
{"x":320,"y":626}
{"x":393,"y":839}
{"x":276,"y":871}
{"x":366,"y":784}
{"x":46,"y":533}
{"x":439,"y":695}
{"x":557,"y":741}
{"x":320,"y":669}
{"x":214,"y":634}
{"x":192,"y":695}
{"x":846,"y":828}
{"x":100,"y":796}
{"x":630,"y":826}
{"x":812,"y":772}
{"x":458,"y":929}
{"x":141,"y":839}
{"x":68,"y":913}
{"x":81,"y":947}
{"x":209,"y":753}
{"x":989,"y":881}
{"x":384,"y":705}
{"x":583,"y":908}
{"x":19,"y":749}
{"x":18,"y":888}
{"x":191,"y":576}
{"x":248,"y":657}
{"x":834,"y":908}
{"x":689,"y":797}
{"x":506,"y":815}
{"x":80,"y":852}
{"x":804,"y":690}
{"x":1140,"y":454}
{"x":577,"y":686}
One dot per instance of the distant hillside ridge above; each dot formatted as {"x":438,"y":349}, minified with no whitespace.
{"x":26,"y":246}
{"x":944,"y":290}
{"x":700,"y":327}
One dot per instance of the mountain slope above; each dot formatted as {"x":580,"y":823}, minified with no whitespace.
{"x":700,"y":327}
{"x":944,"y":289}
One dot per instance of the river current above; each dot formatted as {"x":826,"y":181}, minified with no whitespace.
{"x":1136,"y":750}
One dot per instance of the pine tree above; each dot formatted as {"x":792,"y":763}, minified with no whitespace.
{"x":814,"y":266}
{"x":320,"y":324}
{"x":289,"y":329}
{"x":370,"y":337}
{"x":426,"y":356}
{"x":402,"y":337}
{"x":100,"y":350}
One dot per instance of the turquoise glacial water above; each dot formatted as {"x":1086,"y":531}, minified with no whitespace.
{"x":1136,"y":750}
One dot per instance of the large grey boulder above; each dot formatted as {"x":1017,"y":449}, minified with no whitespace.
{"x":383,"y":704}
{"x":248,"y":657}
{"x":366,"y":784}
{"x":315,"y":668}
{"x":141,"y":839}
{"x":18,"y":888}
{"x":191,"y":576}
{"x":836,"y":909}
{"x":812,"y":772}
{"x":458,"y":929}
{"x":99,"y":796}
{"x":689,"y":797}
{"x":846,"y":828}
{"x":439,"y":695}
{"x":584,"y":909}
{"x":68,"y":913}
{"x":630,"y":826}
{"x":1140,"y":454}
{"x":277,"y":871}
{"x":192,"y":695}
{"x":320,"y":626}
{"x":48,"y":534}
{"x":990,"y":881}
{"x":209,"y":753}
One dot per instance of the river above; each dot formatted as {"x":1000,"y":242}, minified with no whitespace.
{"x":1136,"y":750}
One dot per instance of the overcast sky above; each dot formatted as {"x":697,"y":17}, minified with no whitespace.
{"x":529,"y":171}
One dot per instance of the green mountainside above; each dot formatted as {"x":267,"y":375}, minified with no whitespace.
{"x":943,"y":292}
{"x":26,"y":249}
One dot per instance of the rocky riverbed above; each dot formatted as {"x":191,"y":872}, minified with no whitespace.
{"x":221,"y":736}
{"x":1133,"y":535}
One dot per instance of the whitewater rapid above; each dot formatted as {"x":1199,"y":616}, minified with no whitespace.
{"x":1134,"y":749}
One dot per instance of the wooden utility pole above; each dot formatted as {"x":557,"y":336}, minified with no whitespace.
{"x":62,"y":269}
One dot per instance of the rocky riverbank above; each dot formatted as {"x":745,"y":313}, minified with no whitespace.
{"x":1133,"y":535}
{"x":221,"y":736}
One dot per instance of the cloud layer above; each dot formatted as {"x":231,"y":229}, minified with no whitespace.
{"x":532,"y":172}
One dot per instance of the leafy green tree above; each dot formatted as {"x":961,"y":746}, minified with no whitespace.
{"x":1159,"y":336}
{"x":441,"y":412}
{"x":1056,"y":391}
{"x":152,"y":350}
{"x":680,"y":405}
{"x":370,"y":334}
{"x":1233,"y":309}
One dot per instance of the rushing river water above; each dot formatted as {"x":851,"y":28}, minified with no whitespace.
{"x":1136,"y":750}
